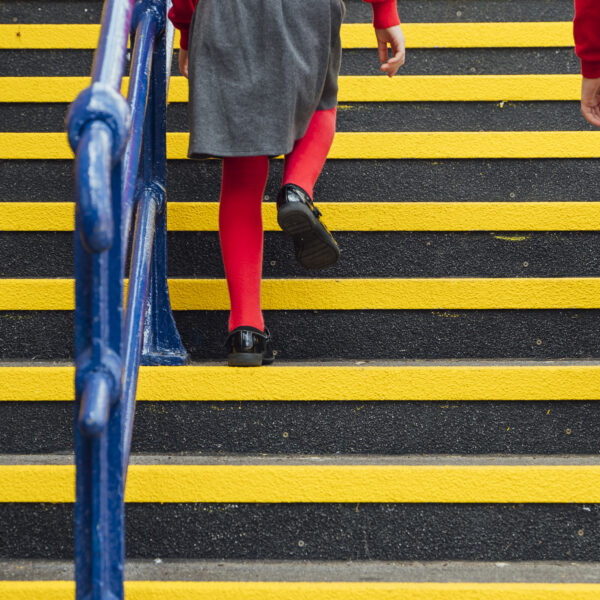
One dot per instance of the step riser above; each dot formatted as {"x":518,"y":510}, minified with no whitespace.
{"x":65,"y":11}
{"x":389,"y":116}
{"x":321,"y":531}
{"x":373,"y":254}
{"x":391,"y":334}
{"x":365,"y":181}
{"x":456,"y":61}
{"x":391,"y":428}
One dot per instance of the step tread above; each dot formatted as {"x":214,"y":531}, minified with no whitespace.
{"x":397,"y":215}
{"x":353,"y":88}
{"x":337,"y":460}
{"x":351,"y":571}
{"x":338,"y":380}
{"x":364,"y":145}
{"x":354,"y":35}
{"x":326,"y":480}
{"x":342,"y":294}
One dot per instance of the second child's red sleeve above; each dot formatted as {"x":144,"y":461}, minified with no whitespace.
{"x":181,"y":16}
{"x":385,"y":13}
{"x":586,"y":30}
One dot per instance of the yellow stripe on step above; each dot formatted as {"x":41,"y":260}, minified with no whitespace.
{"x":468,"y":35}
{"x":412,"y":88}
{"x":281,"y":590}
{"x":319,"y":483}
{"x":400,"y":382}
{"x":347,"y":216}
{"x":341,"y":294}
{"x":422,"y":145}
{"x":357,"y":35}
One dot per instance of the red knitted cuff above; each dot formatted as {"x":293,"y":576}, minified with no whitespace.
{"x":385,"y":14}
{"x":184,"y":39}
{"x":590,"y":69}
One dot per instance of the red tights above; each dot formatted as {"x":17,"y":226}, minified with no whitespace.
{"x":240,"y":213}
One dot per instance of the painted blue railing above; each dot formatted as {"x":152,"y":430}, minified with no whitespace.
{"x":120,"y":168}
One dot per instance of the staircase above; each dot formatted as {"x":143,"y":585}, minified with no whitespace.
{"x":429,"y":430}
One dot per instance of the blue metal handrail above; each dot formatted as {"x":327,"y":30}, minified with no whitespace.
{"x":120,"y":169}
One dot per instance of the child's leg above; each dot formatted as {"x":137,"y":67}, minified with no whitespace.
{"x":241,"y":234}
{"x":304,"y":163}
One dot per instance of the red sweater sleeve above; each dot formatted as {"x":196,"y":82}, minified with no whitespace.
{"x":181,"y":16}
{"x":586,"y":30}
{"x":385,"y":13}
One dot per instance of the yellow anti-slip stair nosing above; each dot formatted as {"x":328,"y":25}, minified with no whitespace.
{"x":410,"y":88}
{"x":444,"y":483}
{"x":371,"y":145}
{"x":354,"y":35}
{"x":347,"y":216}
{"x":281,"y":590}
{"x":341,"y":294}
{"x":402,"y":382}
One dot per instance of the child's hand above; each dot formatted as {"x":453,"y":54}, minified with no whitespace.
{"x":590,"y":100}
{"x":183,"y":62}
{"x":395,"y":38}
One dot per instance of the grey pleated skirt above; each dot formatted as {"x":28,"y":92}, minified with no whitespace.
{"x":258,"y":70}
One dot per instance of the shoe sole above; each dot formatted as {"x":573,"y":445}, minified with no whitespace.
{"x":247,"y":359}
{"x":315,"y":246}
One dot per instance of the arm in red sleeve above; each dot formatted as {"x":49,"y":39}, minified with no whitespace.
{"x":385,"y":13}
{"x":586,"y":30}
{"x":181,"y":16}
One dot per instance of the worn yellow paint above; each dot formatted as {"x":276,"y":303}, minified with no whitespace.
{"x":307,"y":590}
{"x":400,"y":382}
{"x":411,"y":88}
{"x":513,"y":238}
{"x":375,"y":145}
{"x":348,"y":216}
{"x":319,"y":483}
{"x":341,"y":294}
{"x":354,"y":35}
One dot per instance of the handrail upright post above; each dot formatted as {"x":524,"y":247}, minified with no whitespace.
{"x":161,"y":341}
{"x":99,"y":510}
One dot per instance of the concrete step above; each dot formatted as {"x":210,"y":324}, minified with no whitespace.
{"x":408,"y":508}
{"x":349,"y":407}
{"x":164,"y":569}
{"x":331,"y":580}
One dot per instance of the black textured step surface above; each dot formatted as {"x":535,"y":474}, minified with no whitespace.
{"x":496,"y":532}
{"x":364,"y":254}
{"x":68,"y":11}
{"x":544,"y":180}
{"x":391,"y":428}
{"x":317,"y":335}
{"x":420,"y":61}
{"x":372,"y":116}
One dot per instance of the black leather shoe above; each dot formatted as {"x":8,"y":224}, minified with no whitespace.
{"x":249,"y":347}
{"x":297,"y":215}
